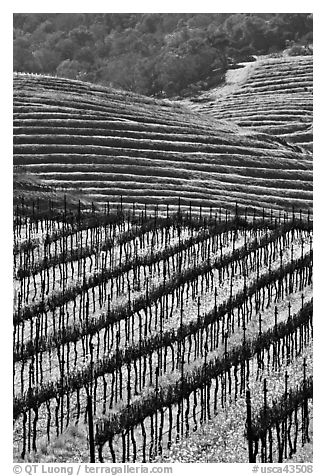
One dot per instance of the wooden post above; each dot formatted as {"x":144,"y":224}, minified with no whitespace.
{"x":226,"y":335}
{"x":263,"y":440}
{"x":157,"y":372}
{"x":91,"y":429}
{"x":182,"y":362}
{"x":252,"y":458}
{"x":90,"y":411}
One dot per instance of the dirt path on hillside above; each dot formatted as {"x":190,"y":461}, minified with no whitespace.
{"x":234,"y":78}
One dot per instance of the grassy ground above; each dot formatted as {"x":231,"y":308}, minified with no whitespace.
{"x":68,"y":127}
{"x":29,"y":187}
{"x":72,"y":446}
{"x":270,"y":89}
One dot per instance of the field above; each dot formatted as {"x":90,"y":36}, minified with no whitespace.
{"x":271,"y":95}
{"x":163,"y":271}
{"x":163,"y":328}
{"x":107,"y":144}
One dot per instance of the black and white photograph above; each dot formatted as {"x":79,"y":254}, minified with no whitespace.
{"x":162,"y":217}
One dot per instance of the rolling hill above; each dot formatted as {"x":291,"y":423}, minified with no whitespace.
{"x":271,"y":95}
{"x":107,"y":144}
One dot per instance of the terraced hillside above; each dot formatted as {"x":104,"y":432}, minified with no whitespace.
{"x":109,"y":144}
{"x":29,"y":189}
{"x":272,"y":95}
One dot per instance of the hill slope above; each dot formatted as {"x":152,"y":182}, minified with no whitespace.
{"x":28,"y":188}
{"x":272,"y":95}
{"x":109,"y":143}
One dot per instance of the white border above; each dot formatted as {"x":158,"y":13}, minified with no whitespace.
{"x":319,"y":197}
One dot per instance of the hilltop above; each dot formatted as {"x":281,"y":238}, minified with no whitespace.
{"x":160,"y":54}
{"x":271,"y":95}
{"x":108,"y":143}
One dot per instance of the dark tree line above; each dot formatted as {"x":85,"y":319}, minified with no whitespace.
{"x":161,"y":54}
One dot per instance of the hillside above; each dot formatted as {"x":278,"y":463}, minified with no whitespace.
{"x":29,"y":189}
{"x":271,"y":95}
{"x":109,"y":144}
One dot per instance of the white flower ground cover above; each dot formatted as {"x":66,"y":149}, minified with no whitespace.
{"x":301,"y":245}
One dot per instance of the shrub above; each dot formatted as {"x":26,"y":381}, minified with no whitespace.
{"x":298,"y":50}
